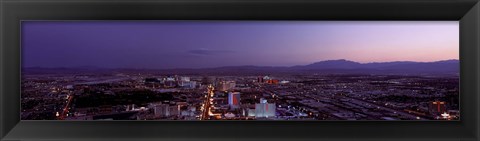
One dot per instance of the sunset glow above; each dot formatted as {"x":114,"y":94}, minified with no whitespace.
{"x":201,"y":44}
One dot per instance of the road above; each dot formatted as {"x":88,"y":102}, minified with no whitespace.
{"x":65,"y":109}
{"x":391,"y":110}
{"x":207,"y":104}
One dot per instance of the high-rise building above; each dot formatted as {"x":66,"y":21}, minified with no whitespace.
{"x":251,"y":112}
{"x":165,"y":110}
{"x":264,"y":109}
{"x":260,"y":79}
{"x":234,"y":99}
{"x":437,"y":107}
{"x":226,"y":85}
{"x":185,"y":79}
{"x":161,"y":110}
{"x":187,"y":84}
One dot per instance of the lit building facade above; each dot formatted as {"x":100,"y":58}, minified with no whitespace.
{"x":264,"y":109}
{"x":437,"y":107}
{"x":226,"y":85}
{"x":234,"y":99}
{"x":165,"y":110}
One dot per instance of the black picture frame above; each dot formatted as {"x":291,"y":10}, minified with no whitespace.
{"x":465,"y":11}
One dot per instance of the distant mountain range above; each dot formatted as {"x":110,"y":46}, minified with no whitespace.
{"x":438,"y":66}
{"x":449,"y":67}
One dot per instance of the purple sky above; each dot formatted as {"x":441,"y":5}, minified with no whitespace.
{"x":201,"y":44}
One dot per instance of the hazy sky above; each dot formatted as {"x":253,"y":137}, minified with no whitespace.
{"x":200,"y":44}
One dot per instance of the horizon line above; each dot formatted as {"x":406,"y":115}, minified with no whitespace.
{"x":98,"y":67}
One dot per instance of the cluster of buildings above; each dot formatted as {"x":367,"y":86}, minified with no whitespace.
{"x":264,"y":109}
{"x":225,"y":85}
{"x":439,"y":109}
{"x":171,"y":82}
{"x":172,"y":110}
{"x":282,"y":97}
{"x":268,"y":80}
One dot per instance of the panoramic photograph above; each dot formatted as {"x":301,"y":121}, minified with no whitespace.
{"x":240,"y":70}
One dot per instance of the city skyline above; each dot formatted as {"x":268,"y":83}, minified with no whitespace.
{"x":207,"y":44}
{"x":331,"y":63}
{"x":240,"y":70}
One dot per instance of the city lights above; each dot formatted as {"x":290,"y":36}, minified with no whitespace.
{"x":249,"y":70}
